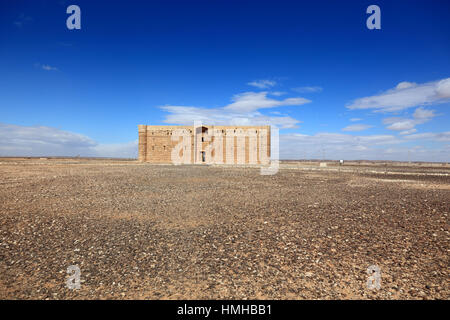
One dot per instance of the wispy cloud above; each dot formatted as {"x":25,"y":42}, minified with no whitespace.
{"x":406,"y":95}
{"x":116,"y":150}
{"x":252,"y":101}
{"x":182,"y":115}
{"x":45,"y":67}
{"x":244,"y":110}
{"x":420,"y":115}
{"x":308,"y":89}
{"x":410,"y":131}
{"x":48,"y":141}
{"x":277,"y":93}
{"x":372,"y":147}
{"x":49,"y":68}
{"x":440,"y":136}
{"x":355,"y":119}
{"x":357,"y":127}
{"x":36,"y":140}
{"x":262,"y":84}
{"x":22,"y":20}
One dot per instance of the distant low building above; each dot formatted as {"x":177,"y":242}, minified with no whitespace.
{"x":204,"y":144}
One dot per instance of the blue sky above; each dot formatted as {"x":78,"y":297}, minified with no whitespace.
{"x":312,"y":68}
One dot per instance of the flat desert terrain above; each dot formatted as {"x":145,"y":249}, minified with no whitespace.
{"x":141,"y":231}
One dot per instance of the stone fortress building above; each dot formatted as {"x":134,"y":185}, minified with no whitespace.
{"x":204,"y":144}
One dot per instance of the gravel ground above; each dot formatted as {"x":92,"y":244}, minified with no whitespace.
{"x":140,"y":231}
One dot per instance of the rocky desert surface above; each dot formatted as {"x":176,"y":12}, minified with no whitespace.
{"x":142,"y":231}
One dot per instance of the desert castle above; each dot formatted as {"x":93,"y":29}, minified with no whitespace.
{"x":204,"y":144}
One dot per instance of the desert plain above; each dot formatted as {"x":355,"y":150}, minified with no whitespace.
{"x":143,"y":231}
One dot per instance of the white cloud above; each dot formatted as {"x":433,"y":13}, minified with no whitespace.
{"x":262,"y":84}
{"x":408,"y":131}
{"x":49,"y":68}
{"x":45,"y":67}
{"x":47,"y":141}
{"x":308,"y":89}
{"x":441,"y":136}
{"x":423,"y":114}
{"x":218,"y":116}
{"x":355,"y":119}
{"x":443,"y":89}
{"x":357,"y":127}
{"x":242,"y":111}
{"x":252,"y":101}
{"x":22,"y":20}
{"x":420,"y":116}
{"x":353,"y":147}
{"x":344,"y":139}
{"x":117,"y":150}
{"x":331,"y":145}
{"x":277,"y":93}
{"x":406,"y":95}
{"x":401,"y":125}
{"x":405,"y":85}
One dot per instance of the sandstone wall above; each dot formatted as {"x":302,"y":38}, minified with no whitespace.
{"x":220,"y":144}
